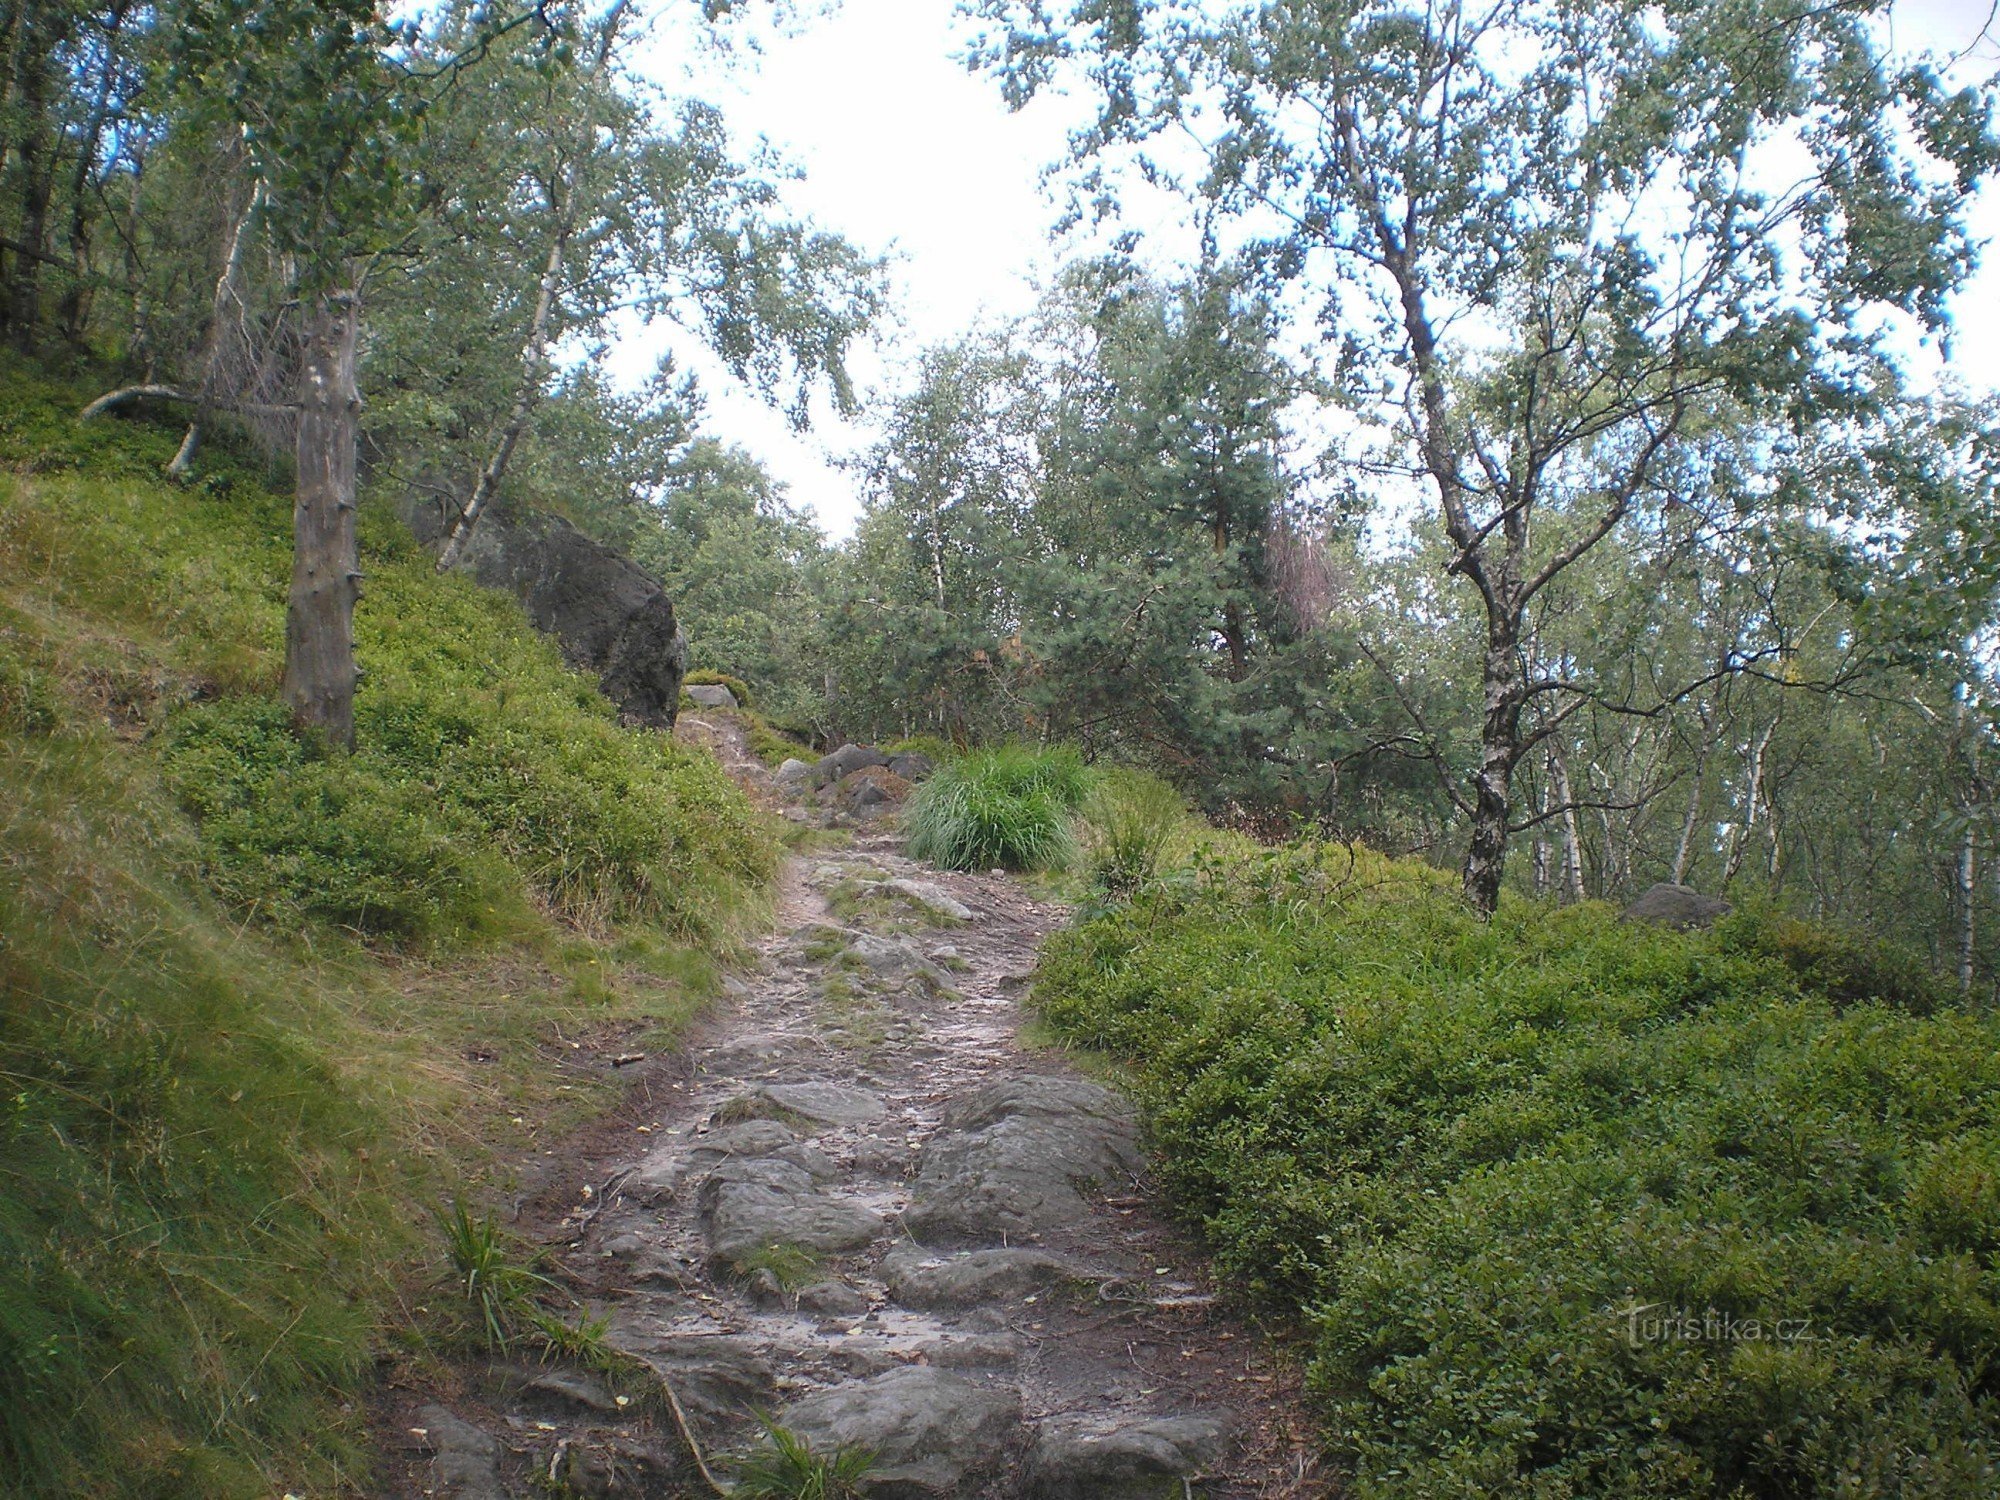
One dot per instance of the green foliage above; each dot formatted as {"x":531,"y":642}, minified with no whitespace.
{"x":197,"y":1215}
{"x":786,"y":1468}
{"x":218,"y":1139}
{"x":499,"y":1287}
{"x":1133,"y":825}
{"x":1845,"y":966}
{"x":488,"y":775}
{"x":774,"y":744}
{"x":935,"y":748}
{"x":794,"y":1266}
{"x":1566,"y":1205}
{"x":1006,"y":808}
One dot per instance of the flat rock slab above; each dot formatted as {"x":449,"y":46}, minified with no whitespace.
{"x":719,"y":1381}
{"x":661,"y":1171}
{"x":755,"y":1204}
{"x":1016,"y":1157}
{"x":822,"y":1103}
{"x":932,"y":1432}
{"x":1120,"y":1457}
{"x":968,"y":1280}
{"x":464,"y":1461}
{"x":934,"y":899}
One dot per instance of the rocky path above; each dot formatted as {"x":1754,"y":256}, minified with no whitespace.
{"x":866,"y":1210}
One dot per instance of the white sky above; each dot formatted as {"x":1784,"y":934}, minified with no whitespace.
{"x":906,"y":153}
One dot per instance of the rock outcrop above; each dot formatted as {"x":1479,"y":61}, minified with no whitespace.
{"x":1667,"y":905}
{"x":610,"y":616}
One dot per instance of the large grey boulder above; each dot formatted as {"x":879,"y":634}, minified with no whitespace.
{"x":845,"y":762}
{"x":1017,"y":1157}
{"x":1120,"y":1457}
{"x":932,"y":1433}
{"x":753,"y":1205}
{"x":911,"y":765}
{"x":710,"y":695}
{"x":608,"y":614}
{"x":1668,"y":905}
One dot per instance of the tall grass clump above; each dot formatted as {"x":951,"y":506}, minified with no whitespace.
{"x":1565,"y":1205}
{"x":1006,"y":808}
{"x":1133,"y":825}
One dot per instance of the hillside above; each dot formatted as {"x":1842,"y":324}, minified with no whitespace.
{"x":264,"y":1007}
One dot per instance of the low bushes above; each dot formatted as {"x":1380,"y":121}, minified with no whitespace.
{"x":1006,"y":808}
{"x":1568,"y":1206}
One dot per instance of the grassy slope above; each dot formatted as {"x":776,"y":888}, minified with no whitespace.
{"x":223,"y":1115}
{"x":1458,"y":1153}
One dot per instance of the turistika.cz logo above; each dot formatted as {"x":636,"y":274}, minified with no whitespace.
{"x":1644,"y":1323}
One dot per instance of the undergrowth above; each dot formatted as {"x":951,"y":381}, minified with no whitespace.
{"x":258,"y":1002}
{"x":1005,"y":808}
{"x":1566,"y":1205}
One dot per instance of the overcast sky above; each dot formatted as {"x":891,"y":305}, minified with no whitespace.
{"x":906,"y":153}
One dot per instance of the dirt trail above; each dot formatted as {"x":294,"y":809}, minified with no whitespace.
{"x":864,"y":1208}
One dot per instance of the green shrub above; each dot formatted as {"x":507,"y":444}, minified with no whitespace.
{"x":1008,"y":808}
{"x":1133,"y":824}
{"x":774,"y":744}
{"x":936,"y":750}
{"x":1844,"y":966}
{"x":1566,"y":1205}
{"x":290,"y":830}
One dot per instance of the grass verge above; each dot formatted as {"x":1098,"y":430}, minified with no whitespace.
{"x":259,"y":1004}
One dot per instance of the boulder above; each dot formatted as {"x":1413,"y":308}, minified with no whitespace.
{"x":911,"y":766}
{"x":1681,"y":906}
{"x":1016,"y":1157}
{"x":465,"y":1460}
{"x":832,"y":1299}
{"x":934,"y":899}
{"x":845,"y":762}
{"x":918,"y":1280}
{"x":608,"y":614}
{"x":820,"y":1103}
{"x":794,"y":774}
{"x":720,"y":1380}
{"x":932,"y":1433}
{"x":870,"y":791}
{"x":710,"y":694}
{"x":751,"y":1205}
{"x":1120,"y":1457}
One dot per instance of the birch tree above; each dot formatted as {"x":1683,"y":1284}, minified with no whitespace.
{"x":1542,"y":241}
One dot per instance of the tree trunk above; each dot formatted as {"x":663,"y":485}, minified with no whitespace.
{"x":1572,"y":832}
{"x":1499,"y":748}
{"x":75,"y":304}
{"x":534,"y":360}
{"x":326,"y":576}
{"x":226,"y":291}
{"x":24,"y":291}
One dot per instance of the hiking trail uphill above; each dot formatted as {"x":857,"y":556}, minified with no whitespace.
{"x":861,"y":1206}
